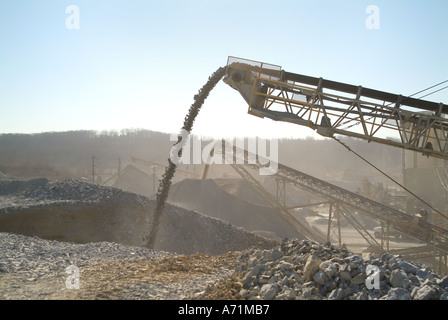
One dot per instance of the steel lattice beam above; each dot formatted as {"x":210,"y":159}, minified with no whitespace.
{"x":301,"y":227}
{"x":431,"y":234}
{"x":334,"y":108}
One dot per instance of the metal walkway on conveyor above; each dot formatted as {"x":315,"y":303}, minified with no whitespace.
{"x":331,"y":107}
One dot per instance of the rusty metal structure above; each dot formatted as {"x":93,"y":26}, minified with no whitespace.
{"x":331,"y":107}
{"x":346,"y":202}
{"x":334,"y":108}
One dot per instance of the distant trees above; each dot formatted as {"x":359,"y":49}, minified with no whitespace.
{"x":69,"y":154}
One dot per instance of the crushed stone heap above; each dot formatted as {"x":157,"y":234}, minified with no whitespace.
{"x":306,"y":270}
{"x":81,"y":212}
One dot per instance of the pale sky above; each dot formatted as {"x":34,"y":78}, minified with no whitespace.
{"x":138,"y":64}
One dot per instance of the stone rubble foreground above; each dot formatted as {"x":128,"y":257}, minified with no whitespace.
{"x":306,"y":270}
{"x":294,"y":269}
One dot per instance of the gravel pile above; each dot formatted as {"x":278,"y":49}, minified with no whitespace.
{"x":33,"y":268}
{"x":82,"y":212}
{"x":305,"y":270}
{"x":38,"y":257}
{"x":74,"y":211}
{"x":25,"y":193}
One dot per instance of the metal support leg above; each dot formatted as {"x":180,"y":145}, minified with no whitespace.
{"x":329,"y":221}
{"x":333,"y":212}
{"x":338,"y":217}
{"x":281,"y":191}
{"x":387,"y":237}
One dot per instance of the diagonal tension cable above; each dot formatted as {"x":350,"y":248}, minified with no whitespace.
{"x":434,"y":92}
{"x":404,"y":98}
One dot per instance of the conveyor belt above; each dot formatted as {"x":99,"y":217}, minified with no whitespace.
{"x":433,"y":235}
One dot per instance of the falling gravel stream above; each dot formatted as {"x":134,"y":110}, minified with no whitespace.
{"x":165,"y":182}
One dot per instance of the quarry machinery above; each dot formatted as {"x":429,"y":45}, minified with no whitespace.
{"x":335,"y":108}
{"x":414,"y":226}
{"x":331,"y":107}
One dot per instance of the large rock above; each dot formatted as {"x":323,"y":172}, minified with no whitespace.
{"x":287,"y":294}
{"x":408,"y":267}
{"x":259,"y":268}
{"x":359,"y":279}
{"x":285,"y":265}
{"x":423,"y":273}
{"x":345,"y":275}
{"x":268,"y":291}
{"x":311,"y":267}
{"x":399,"y":279}
{"x":337,"y":294}
{"x":424,"y":293}
{"x":271,"y":255}
{"x":355,"y":261}
{"x":247,"y":279}
{"x":443,"y":283}
{"x":320,"y":277}
{"x":329,"y":268}
{"x":398,"y":294}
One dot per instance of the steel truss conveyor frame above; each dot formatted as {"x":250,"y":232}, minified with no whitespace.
{"x":331,"y":107}
{"x":398,"y":220}
{"x":433,"y":235}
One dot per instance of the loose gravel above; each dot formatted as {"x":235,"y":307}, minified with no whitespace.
{"x":33,"y":268}
{"x":165,"y":182}
{"x":306,"y":270}
{"x":196,"y":257}
{"x":82,"y":212}
{"x":47,"y":226}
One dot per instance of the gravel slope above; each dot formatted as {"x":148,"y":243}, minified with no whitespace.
{"x":33,"y":268}
{"x":196,"y":257}
{"x":82,"y":212}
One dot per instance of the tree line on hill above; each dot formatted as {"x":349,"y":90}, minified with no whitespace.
{"x":69,"y":154}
